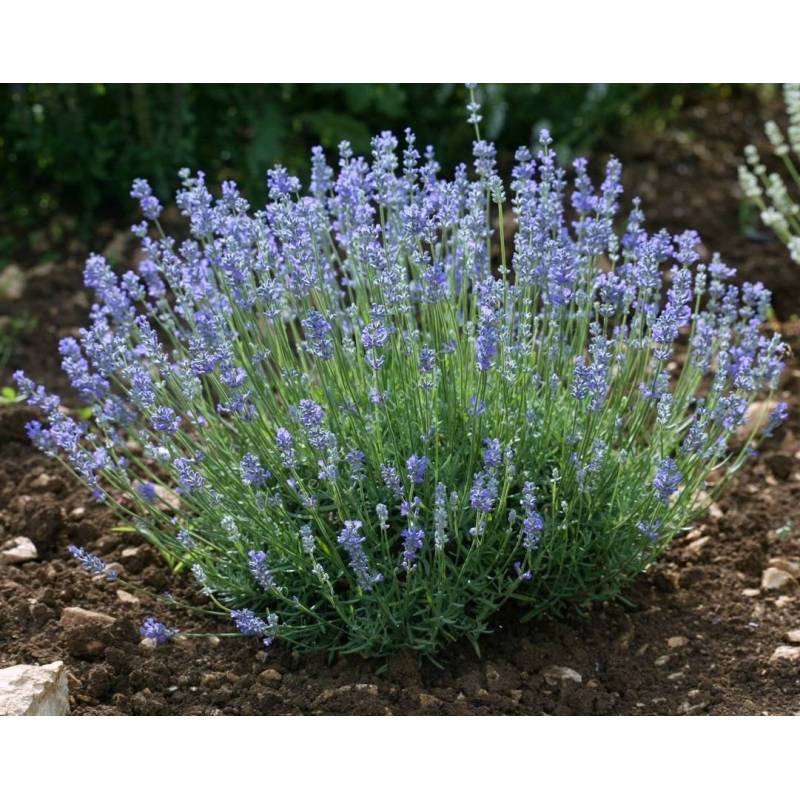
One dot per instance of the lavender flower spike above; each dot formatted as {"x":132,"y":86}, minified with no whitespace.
{"x":160,"y":633}
{"x":417,"y":466}
{"x":91,"y":562}
{"x":667,"y":479}
{"x":353,"y":542}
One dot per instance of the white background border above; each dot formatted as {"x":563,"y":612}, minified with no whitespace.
{"x":406,"y":41}
{"x":411,"y":41}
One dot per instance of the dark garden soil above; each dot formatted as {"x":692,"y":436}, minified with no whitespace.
{"x":698,"y":633}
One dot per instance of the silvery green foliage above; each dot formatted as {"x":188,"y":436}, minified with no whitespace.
{"x":362,"y":425}
{"x":768,"y":191}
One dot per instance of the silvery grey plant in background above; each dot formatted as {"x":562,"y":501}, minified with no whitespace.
{"x":768,"y":190}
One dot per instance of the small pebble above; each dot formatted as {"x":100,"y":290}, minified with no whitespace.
{"x":696,"y":547}
{"x":554,"y":674}
{"x":270,"y":676}
{"x":429,"y":701}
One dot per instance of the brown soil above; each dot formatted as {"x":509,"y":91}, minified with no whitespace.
{"x":621,"y":651}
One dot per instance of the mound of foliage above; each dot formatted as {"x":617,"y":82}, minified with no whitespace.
{"x":69,"y":152}
{"x":364,"y":424}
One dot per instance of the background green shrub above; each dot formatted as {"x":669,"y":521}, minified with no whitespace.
{"x":68,"y":153}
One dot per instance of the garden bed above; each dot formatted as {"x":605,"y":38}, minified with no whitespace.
{"x":697,"y":636}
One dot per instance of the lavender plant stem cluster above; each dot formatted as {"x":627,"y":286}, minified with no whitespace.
{"x":363,"y":419}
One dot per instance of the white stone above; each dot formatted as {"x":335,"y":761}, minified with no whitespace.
{"x":127,"y":597}
{"x":787,"y":565}
{"x":793,"y":636}
{"x":774,"y":579}
{"x":554,"y":674}
{"x":785,"y":652}
{"x":696,"y":547}
{"x":27,"y":690}
{"x":41,"y":482}
{"x":18,"y":550}
{"x":674,"y":642}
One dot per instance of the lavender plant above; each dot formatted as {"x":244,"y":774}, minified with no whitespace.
{"x":363,"y":425}
{"x":768,"y":191}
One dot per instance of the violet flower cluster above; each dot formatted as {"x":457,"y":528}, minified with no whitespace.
{"x":368,"y":414}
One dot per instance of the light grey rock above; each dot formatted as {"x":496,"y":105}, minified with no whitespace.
{"x":785,"y":652}
{"x":127,"y":598}
{"x":556,"y":674}
{"x":695,"y":548}
{"x":27,"y":690}
{"x":787,"y":565}
{"x":774,"y":580}
{"x":676,"y":642}
{"x":18,"y":551}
